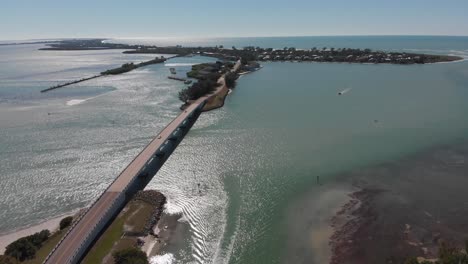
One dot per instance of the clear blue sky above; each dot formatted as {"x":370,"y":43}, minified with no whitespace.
{"x":20,"y":19}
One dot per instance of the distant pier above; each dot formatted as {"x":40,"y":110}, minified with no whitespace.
{"x":122,"y":69}
{"x":69,"y":83}
{"x":177,"y":78}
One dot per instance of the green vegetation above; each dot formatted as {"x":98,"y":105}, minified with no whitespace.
{"x":66,"y":222}
{"x":131,"y":66}
{"x":21,"y":249}
{"x":251,"y":53}
{"x":207,"y":75}
{"x":8,"y":260}
{"x":447,"y":255}
{"x":137,"y":222}
{"x":122,"y":69}
{"x":32,"y":249}
{"x":230,"y":79}
{"x":325,"y":54}
{"x":106,"y":241}
{"x":26,"y":247}
{"x":194,"y":73}
{"x":46,"y":248}
{"x":205,"y":71}
{"x":153,"y":61}
{"x":197,"y":90}
{"x":124,"y":230}
{"x":85,"y":44}
{"x":130,"y":256}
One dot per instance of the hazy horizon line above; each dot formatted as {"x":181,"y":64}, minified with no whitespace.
{"x":232,"y":37}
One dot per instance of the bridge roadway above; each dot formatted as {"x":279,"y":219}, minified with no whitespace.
{"x":80,"y":237}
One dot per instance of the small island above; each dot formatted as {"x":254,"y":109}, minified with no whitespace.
{"x":217,"y":77}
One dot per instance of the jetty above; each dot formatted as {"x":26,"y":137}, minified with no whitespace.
{"x":69,"y":83}
{"x":177,"y":78}
{"x":122,"y":69}
{"x":185,"y":80}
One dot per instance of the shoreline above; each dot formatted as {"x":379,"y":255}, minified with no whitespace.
{"x":164,"y":232}
{"x":142,"y":223}
{"x":455,"y":61}
{"x":251,"y":53}
{"x":309,"y":234}
{"x":127,"y":67}
{"x":156,"y":230}
{"x":392,"y":216}
{"x":51,"y":224}
{"x":217,"y":98}
{"x":223,"y":97}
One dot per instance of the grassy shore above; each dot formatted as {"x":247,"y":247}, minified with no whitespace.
{"x":42,"y":253}
{"x":217,"y":100}
{"x":133,"y":224}
{"x":107,"y":241}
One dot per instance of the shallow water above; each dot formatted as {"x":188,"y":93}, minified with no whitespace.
{"x":255,"y":159}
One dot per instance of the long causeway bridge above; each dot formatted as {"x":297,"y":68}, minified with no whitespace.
{"x":80,"y":237}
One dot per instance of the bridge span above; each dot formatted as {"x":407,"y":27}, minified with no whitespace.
{"x":81,"y":235}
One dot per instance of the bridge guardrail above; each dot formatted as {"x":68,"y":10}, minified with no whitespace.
{"x":83,"y":214}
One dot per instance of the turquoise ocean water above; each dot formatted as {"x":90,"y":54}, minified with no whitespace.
{"x":255,"y":158}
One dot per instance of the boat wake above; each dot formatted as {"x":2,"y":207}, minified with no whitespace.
{"x":73,"y":102}
{"x":344,"y":91}
{"x":163,"y":259}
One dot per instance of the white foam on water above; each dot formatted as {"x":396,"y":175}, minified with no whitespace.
{"x":139,"y":71}
{"x":163,"y":259}
{"x":224,"y":255}
{"x":74,"y":102}
{"x":424,"y":50}
{"x":171,"y":208}
{"x":178,"y":64}
{"x":24,"y":108}
{"x":458,"y":51}
{"x":465,"y":58}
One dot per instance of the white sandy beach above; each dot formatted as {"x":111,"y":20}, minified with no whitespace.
{"x":52,"y":225}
